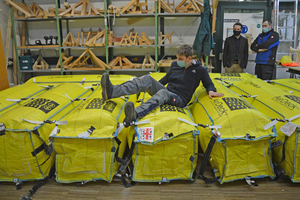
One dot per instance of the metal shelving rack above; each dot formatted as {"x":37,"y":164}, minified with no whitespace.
{"x":59,"y":20}
{"x":280,"y":26}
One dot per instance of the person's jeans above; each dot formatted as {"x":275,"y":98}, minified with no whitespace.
{"x":160,"y":94}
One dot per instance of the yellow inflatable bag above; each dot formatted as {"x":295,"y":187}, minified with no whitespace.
{"x":25,"y":153}
{"x":164,"y":146}
{"x":232,"y":135}
{"x":231,"y":77}
{"x":84,"y":80}
{"x":91,"y":142}
{"x":16,"y":96}
{"x":291,"y":85}
{"x":284,"y":108}
{"x":19,"y":95}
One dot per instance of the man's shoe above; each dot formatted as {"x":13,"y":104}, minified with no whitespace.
{"x":130,"y":114}
{"x":107,"y":86}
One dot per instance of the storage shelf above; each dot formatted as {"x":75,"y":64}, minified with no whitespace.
{"x":62,"y":24}
{"x":113,"y":70}
{"x":286,"y":27}
{"x":111,"y":15}
{"x":122,"y":46}
{"x":131,"y":15}
{"x":38,"y":47}
{"x":286,"y":40}
{"x":83,"y":17}
{"x":179,"y":14}
{"x":35,"y":19}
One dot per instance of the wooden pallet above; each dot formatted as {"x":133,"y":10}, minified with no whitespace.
{"x":135,"y":7}
{"x":189,"y":6}
{"x":163,"y":5}
{"x":148,"y":62}
{"x":165,"y":37}
{"x":121,"y":62}
{"x":65,"y":61}
{"x":40,"y":63}
{"x":26,"y":10}
{"x":81,"y":61}
{"x":296,"y":52}
{"x":70,"y":41}
{"x":86,"y":9}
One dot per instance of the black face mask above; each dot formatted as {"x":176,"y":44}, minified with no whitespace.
{"x":236,"y":33}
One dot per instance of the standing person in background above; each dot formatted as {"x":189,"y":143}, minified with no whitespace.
{"x":265,"y":45}
{"x":235,"y":54}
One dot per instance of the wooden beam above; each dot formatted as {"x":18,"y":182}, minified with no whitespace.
{"x":3,"y":69}
{"x":127,"y":6}
{"x":25,"y":12}
{"x":8,"y":37}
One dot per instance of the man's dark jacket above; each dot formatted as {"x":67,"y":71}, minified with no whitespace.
{"x":268,"y":44}
{"x":228,"y":53}
{"x":184,"y":81}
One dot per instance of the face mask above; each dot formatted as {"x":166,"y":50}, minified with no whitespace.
{"x":181,"y":63}
{"x":265,"y":30}
{"x":236,"y":33}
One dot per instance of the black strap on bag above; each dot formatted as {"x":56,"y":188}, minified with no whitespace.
{"x":43,"y":146}
{"x":279,"y":172}
{"x":37,"y":186}
{"x":205,"y":161}
{"x":2,"y":129}
{"x":124,"y":164}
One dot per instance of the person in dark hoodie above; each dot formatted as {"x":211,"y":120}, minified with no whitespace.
{"x":182,"y":78}
{"x":265,"y":45}
{"x":235,"y":54}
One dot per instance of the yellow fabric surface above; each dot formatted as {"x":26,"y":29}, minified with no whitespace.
{"x":233,"y":156}
{"x":276,"y":103}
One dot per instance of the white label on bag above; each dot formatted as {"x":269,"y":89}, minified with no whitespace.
{"x":146,"y":134}
{"x":289,"y":128}
{"x":269,"y":125}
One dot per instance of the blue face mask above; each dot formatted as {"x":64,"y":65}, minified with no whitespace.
{"x":181,"y":63}
{"x":265,"y":30}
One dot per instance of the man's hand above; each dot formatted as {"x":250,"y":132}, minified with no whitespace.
{"x":212,"y":94}
{"x":262,"y":50}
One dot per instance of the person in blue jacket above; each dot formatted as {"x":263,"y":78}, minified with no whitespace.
{"x":265,"y":45}
{"x":182,"y":78}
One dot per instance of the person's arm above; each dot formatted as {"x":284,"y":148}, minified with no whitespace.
{"x":164,"y":80}
{"x":209,"y":86}
{"x":274,"y":37}
{"x":225,"y":53}
{"x":246,"y":52}
{"x":212,"y":94}
{"x":254,"y":45}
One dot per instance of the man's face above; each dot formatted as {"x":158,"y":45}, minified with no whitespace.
{"x":237,"y":28}
{"x":183,"y":58}
{"x":266,"y":25}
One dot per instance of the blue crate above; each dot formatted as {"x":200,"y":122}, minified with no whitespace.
{"x":26,"y":62}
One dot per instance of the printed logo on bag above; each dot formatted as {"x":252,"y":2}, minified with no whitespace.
{"x":231,"y":74}
{"x":97,"y":103}
{"x":285,"y":101}
{"x":110,"y":106}
{"x":170,"y":108}
{"x":231,"y":79}
{"x":254,"y":85}
{"x":146,"y":134}
{"x":218,"y":105}
{"x":45,"y":105}
{"x":293,"y":98}
{"x":236,"y":104}
{"x":295,"y":81}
